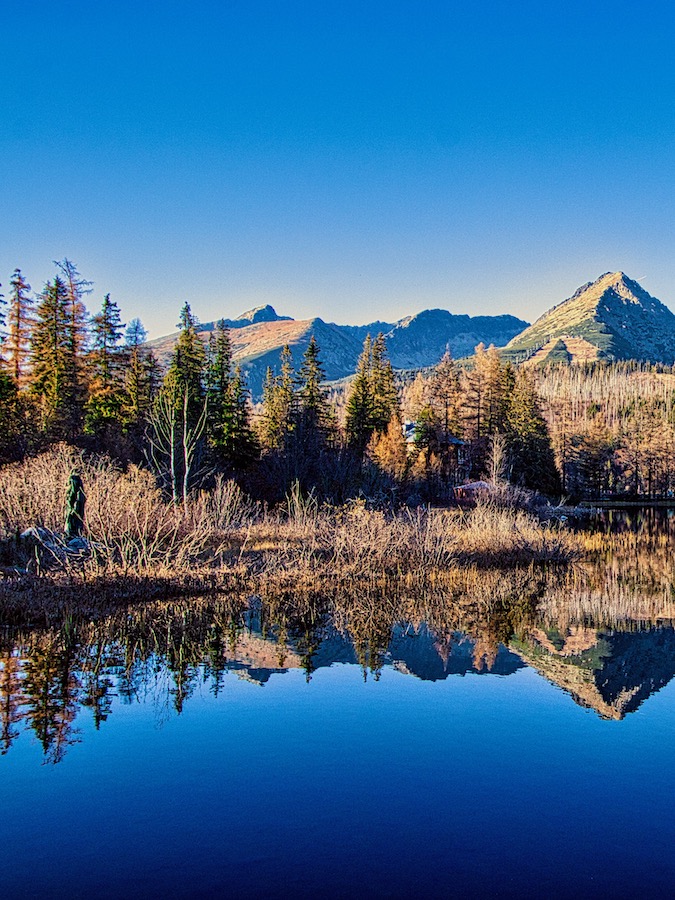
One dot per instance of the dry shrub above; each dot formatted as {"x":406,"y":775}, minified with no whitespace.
{"x":133,"y":529}
{"x":126,"y":518}
{"x":493,"y":535}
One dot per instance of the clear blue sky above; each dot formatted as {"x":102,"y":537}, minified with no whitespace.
{"x":351,"y":160}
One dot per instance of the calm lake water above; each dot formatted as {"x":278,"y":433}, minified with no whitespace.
{"x":516,"y":741}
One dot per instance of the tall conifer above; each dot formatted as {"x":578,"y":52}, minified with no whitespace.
{"x":20,"y":319}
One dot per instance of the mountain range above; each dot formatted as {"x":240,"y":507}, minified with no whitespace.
{"x":413,"y":342}
{"x":612,"y":318}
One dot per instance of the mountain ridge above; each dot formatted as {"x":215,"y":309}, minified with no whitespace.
{"x":611,"y":318}
{"x":416,"y":341}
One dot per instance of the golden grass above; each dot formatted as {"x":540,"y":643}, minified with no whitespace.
{"x":135,"y":533}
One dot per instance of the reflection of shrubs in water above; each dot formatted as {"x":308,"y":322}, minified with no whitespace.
{"x":166,"y":647}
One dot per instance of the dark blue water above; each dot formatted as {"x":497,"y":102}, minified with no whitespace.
{"x":426,"y":780}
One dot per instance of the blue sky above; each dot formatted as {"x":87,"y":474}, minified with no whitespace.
{"x":356,"y":161}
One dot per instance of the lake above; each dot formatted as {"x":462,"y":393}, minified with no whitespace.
{"x":516,"y":739}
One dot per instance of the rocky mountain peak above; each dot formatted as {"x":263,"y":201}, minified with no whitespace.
{"x":612,"y":317}
{"x":261,"y":314}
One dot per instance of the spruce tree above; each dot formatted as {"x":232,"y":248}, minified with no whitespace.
{"x":241,"y":446}
{"x":314,"y":417}
{"x":20,"y":319}
{"x":186,"y":366}
{"x":531,"y":457}
{"x":383,"y":387}
{"x":52,"y":375}
{"x":279,"y":418}
{"x":179,"y":417}
{"x":230,"y":434}
{"x":106,"y":361}
{"x":359,"y":412}
{"x":373,"y":399}
{"x":106,"y":332}
{"x":141,"y":377}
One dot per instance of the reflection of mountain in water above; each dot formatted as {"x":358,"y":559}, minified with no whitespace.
{"x":423,"y":654}
{"x":610,"y":672}
{"x":418,"y":652}
{"x":604,"y":634}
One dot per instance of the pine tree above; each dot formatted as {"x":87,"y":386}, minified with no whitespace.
{"x":52,"y":381}
{"x":314,"y":419}
{"x":241,"y":446}
{"x":141,"y":378}
{"x":279,"y":418}
{"x":230,"y":433}
{"x":359,"y":412}
{"x":373,"y":399}
{"x":20,"y":320}
{"x":106,"y":361}
{"x":12,"y":420}
{"x":187,"y":364}
{"x":531,"y":457}
{"x":383,"y":387}
{"x":107,"y":329}
{"x":179,"y":418}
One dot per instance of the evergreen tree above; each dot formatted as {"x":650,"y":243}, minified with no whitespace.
{"x":106,"y":361}
{"x":383,"y":387}
{"x":52,"y":373}
{"x":230,"y":433}
{"x":179,"y":418}
{"x":185,"y":375}
{"x":106,"y":330}
{"x":12,"y":426}
{"x":141,"y":378}
{"x":359,"y":412}
{"x":531,"y":457}
{"x":314,"y":420}
{"x":373,"y":399}
{"x":241,"y":446}
{"x":20,"y":320}
{"x":279,"y":418}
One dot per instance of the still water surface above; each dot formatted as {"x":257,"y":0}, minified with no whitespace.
{"x":273,"y":748}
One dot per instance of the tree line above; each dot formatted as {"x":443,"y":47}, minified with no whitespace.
{"x":91,"y":380}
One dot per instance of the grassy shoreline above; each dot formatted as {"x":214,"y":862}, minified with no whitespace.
{"x":137,"y":543}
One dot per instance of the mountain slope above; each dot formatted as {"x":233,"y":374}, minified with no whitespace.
{"x":421,"y":340}
{"x":414,"y":342}
{"x":611,"y":318}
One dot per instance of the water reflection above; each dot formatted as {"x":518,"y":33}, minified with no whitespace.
{"x":603,"y":632}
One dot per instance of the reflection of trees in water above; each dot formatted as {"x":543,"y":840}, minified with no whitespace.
{"x":51,"y":685}
{"x":11,"y":698}
{"x":561,"y":622}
